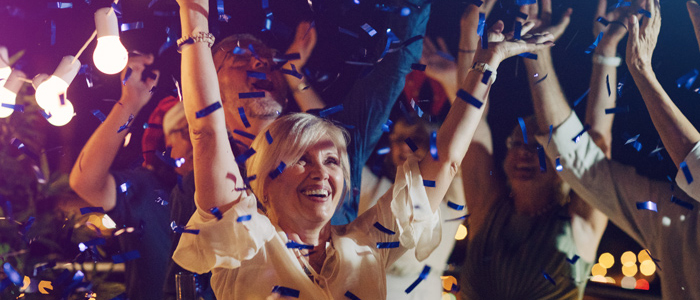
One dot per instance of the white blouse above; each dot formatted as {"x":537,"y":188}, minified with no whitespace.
{"x":249,"y":257}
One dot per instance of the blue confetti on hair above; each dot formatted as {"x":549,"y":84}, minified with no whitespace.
{"x":244,"y":218}
{"x":428,"y":183}
{"x":216,"y":212}
{"x":454,"y":206}
{"x":131,"y":26}
{"x":549,"y":278}
{"x":244,"y":119}
{"x":295,"y":245}
{"x":87,"y":210}
{"x":595,"y":43}
{"x":558,"y":165}
{"x":277,"y":171}
{"x":647,"y":205}
{"x":528,"y":55}
{"x":15,"y":107}
{"x":126,"y":125}
{"x":541,"y":79}
{"x":418,"y":67}
{"x":464,"y":95}
{"x":99,"y":115}
{"x":268,"y":137}
{"x":331,"y":110}
{"x":518,"y":30}
{"x":388,"y":245}
{"x":573,"y":259}
{"x":285,"y":291}
{"x":131,"y":255}
{"x":351,"y":296}
{"x":523,"y":129}
{"x":686,"y":172}
{"x":542,"y":158}
{"x":251,"y":95}
{"x":576,"y":103}
{"x":383,"y":229}
{"x":411,"y":144}
{"x":368,"y":29}
{"x":578,"y":135}
{"x":258,"y":75}
{"x":423,"y":275}
{"x":383,"y":151}
{"x":244,"y":134}
{"x":208,"y":110}
{"x":243,"y":157}
{"x":617,"y":110}
{"x":688,"y":79}
{"x":684,"y":204}
{"x":644,"y":12}
{"x":433,"y":145}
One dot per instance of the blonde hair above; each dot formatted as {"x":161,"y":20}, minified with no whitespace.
{"x":291,"y":136}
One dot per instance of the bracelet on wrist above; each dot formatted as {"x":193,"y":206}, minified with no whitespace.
{"x":613,"y":61}
{"x":199,"y":37}
{"x":485,"y":69}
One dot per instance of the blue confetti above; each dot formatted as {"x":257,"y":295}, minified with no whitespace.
{"x":208,"y":110}
{"x":518,"y":30}
{"x":541,"y":79}
{"x":295,"y":245}
{"x":62,"y":98}
{"x":53,"y":33}
{"x":418,"y":67}
{"x":268,"y":137}
{"x":15,"y":107}
{"x":578,"y":135}
{"x":454,"y":206}
{"x":607,"y":83}
{"x":445,"y":55}
{"x":528,"y":55}
{"x":653,"y":259}
{"x":686,"y":172}
{"x":59,"y":5}
{"x":383,"y":229}
{"x":682,"y":203}
{"x":573,"y":259}
{"x":688,"y":79}
{"x":411,"y":144}
{"x":124,"y":187}
{"x":331,"y":110}
{"x":243,"y":218}
{"x":415,"y":107}
{"x":169,"y":41}
{"x":126,"y":125}
{"x":644,"y":12}
{"x":285,"y":291}
{"x":131,"y":255}
{"x":622,"y":3}
{"x":131,"y":26}
{"x":12,"y":274}
{"x":244,"y":134}
{"x":152,"y":126}
{"x":276,"y":172}
{"x":220,"y":10}
{"x":383,"y":151}
{"x":462,"y":94}
{"x":386,"y":127}
{"x":387,"y":245}
{"x":368,"y":29}
{"x":576,"y":103}
{"x":617,"y":110}
{"x":180,"y":229}
{"x":549,"y":139}
{"x":603,"y":21}
{"x":648,"y":205}
{"x":348,"y":32}
{"x":558,"y":165}
{"x":595,"y":43}
{"x":127,"y":75}
{"x":251,"y":95}
{"x":542,"y":158}
{"x":482,"y":25}
{"x":525,"y":2}
{"x":87,"y":210}
{"x":428,"y":183}
{"x":423,"y":275}
{"x":523,"y":129}
{"x":99,"y":115}
{"x":292,"y":72}
{"x":244,"y":119}
{"x":433,"y":145}
{"x":486,"y":77}
{"x":95,"y":242}
{"x":391,"y":39}
{"x":243,"y":157}
{"x":258,"y":75}
{"x":549,"y":278}
{"x":216,"y":212}
{"x":351,"y":296}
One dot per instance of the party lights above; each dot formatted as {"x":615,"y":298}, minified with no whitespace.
{"x":8,"y":92}
{"x":110,"y":56}
{"x":51,"y":93}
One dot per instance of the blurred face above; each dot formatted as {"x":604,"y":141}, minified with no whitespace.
{"x":308,"y":191}
{"x":179,"y":141}
{"x":233,"y":79}
{"x":522,"y":165}
{"x":400,"y":150}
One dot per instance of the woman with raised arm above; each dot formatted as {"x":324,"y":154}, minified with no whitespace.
{"x":288,"y":248}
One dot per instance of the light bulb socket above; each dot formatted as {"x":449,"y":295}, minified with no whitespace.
{"x":38,"y":79}
{"x":67,"y":69}
{"x":15,"y":82}
{"x":4,"y":57}
{"x":106,"y":22}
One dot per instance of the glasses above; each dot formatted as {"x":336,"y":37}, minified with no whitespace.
{"x":512,"y":143}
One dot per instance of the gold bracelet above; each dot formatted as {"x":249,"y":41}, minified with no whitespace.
{"x":199,"y":37}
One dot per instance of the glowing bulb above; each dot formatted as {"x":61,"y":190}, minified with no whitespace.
{"x":461,"y":232}
{"x":51,"y":93}
{"x":110,"y":56}
{"x":61,"y":114}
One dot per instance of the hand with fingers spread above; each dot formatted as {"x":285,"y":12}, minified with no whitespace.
{"x":642,"y":39}
{"x":694,"y":11}
{"x":304,"y":43}
{"x":616,"y":27}
{"x":542,"y":20}
{"x":136,"y":89}
{"x":502,"y":46}
{"x":439,"y":66}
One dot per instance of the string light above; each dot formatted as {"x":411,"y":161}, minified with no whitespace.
{"x":51,"y":93}
{"x":8,"y":92}
{"x":110,"y":56}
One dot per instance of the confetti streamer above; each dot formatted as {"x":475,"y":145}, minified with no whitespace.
{"x":603,"y":21}
{"x":368,"y":29}
{"x":416,"y":108}
{"x":331,"y":110}
{"x":276,"y":172}
{"x":351,"y":296}
{"x":433,"y":145}
{"x":220,"y":10}
{"x":607,"y":83}
{"x":15,"y":107}
{"x":411,"y":144}
{"x":59,"y":5}
{"x":576,"y":103}
{"x":243,"y":157}
{"x":459,"y":218}
{"x":258,"y":75}
{"x":653,"y":259}
{"x":251,"y":95}
{"x":127,"y":75}
{"x":418,"y":67}
{"x":523,"y":129}
{"x":528,"y":55}
{"x":244,"y":119}
{"x":541,"y":79}
{"x":268,"y":137}
{"x":595,"y":43}
{"x":131,"y":26}
{"x":578,"y":136}
{"x":454,"y":206}
{"x":244,"y":134}
{"x":169,"y":41}
{"x":126,"y":125}
{"x":518,"y":29}
{"x":387,"y":245}
{"x":573,"y":259}
{"x":688,"y":79}
{"x":647,"y":205}
{"x":243,"y":218}
{"x":208,"y":110}
{"x":295,"y":245}
{"x":684,"y":204}
{"x":549,"y":278}
{"x":383,"y":229}
{"x":180,"y":229}
{"x":466,"y":97}
{"x":542,"y":158}
{"x":686,"y":172}
{"x":645,"y":12}
{"x":131,"y":255}
{"x":152,"y":126}
{"x":285,"y":291}
{"x":617,"y":110}
{"x":383,"y":151}
{"x":428,"y":183}
{"x":348,"y":32}
{"x":216,"y":212}
{"x":423,"y":275}
{"x":482,"y":25}
{"x":558,"y":165}
{"x":99,"y":115}
{"x":87,"y":210}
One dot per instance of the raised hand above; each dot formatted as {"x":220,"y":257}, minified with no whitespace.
{"x":542,"y":20}
{"x":136,"y":90}
{"x":694,"y":11}
{"x":304,"y":43}
{"x":642,"y":38}
{"x":502,"y":46}
{"x":616,"y":28}
{"x":439,"y":67}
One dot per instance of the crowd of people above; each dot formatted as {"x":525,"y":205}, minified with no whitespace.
{"x":266,"y":203}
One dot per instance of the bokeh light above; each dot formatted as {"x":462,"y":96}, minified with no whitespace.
{"x":448,"y":281}
{"x":647,"y":267}
{"x":643,"y":255}
{"x":598,"y":270}
{"x":628,"y":258}
{"x":461,"y":232}
{"x":642,"y":284}
{"x":606,"y":260}
{"x":628,"y":282}
{"x":629,"y":270}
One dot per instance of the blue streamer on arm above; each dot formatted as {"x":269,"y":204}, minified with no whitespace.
{"x":423,"y":275}
{"x":595,"y":43}
{"x":208,"y":110}
{"x":647,"y":205}
{"x":686,"y":172}
{"x":466,"y":97}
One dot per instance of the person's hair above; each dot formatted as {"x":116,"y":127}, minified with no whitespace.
{"x":226,"y":45}
{"x":291,"y":136}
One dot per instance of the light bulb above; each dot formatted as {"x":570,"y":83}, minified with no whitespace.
{"x":8,"y":92}
{"x":50,"y":91}
{"x":110,"y":56}
{"x":61,"y":114}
